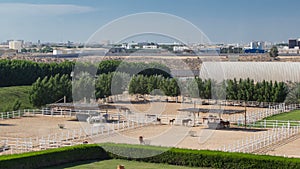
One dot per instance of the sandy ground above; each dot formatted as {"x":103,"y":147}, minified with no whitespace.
{"x":35,"y":126}
{"x":164,"y":135}
{"x":291,"y":149}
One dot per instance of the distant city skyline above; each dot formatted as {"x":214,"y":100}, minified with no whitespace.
{"x":234,"y":21}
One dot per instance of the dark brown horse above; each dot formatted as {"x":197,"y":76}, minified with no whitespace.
{"x":225,"y":124}
{"x":171,"y":121}
{"x":158,"y":120}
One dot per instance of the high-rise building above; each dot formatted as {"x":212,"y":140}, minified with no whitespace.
{"x":15,"y":45}
{"x":293,"y":43}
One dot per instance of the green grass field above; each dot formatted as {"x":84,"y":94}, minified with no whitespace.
{"x":112,"y":164}
{"x":8,"y":95}
{"x":292,"y":116}
{"x":281,"y":119}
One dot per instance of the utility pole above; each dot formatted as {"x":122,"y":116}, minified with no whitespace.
{"x":245,"y":115}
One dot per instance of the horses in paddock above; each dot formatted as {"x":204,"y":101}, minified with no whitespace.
{"x":186,"y":121}
{"x":158,"y":120}
{"x":225,"y":124}
{"x":171,"y":121}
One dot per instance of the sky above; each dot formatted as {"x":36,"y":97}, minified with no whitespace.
{"x":222,"y":21}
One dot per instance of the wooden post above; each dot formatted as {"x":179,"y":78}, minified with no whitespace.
{"x":245,"y":115}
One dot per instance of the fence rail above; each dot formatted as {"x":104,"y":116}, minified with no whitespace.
{"x":69,"y":137}
{"x":255,"y":116}
{"x":260,"y":141}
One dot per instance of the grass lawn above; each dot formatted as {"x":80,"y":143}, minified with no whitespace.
{"x":8,"y":95}
{"x":112,"y":164}
{"x":292,"y":116}
{"x":289,"y":116}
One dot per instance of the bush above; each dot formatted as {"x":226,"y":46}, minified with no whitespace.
{"x":53,"y":157}
{"x":205,"y":158}
{"x":173,"y":156}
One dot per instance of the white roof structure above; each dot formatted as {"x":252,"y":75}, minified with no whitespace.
{"x":258,"y":71}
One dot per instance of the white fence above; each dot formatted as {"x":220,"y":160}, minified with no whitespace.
{"x":68,"y":137}
{"x":262,"y":140}
{"x":13,"y":114}
{"x":254,"y":116}
{"x":44,"y":111}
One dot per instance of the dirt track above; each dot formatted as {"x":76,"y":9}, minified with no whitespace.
{"x":203,"y":139}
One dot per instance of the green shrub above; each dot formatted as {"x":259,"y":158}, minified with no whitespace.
{"x":53,"y":157}
{"x":202,"y":158}
{"x":173,"y":156}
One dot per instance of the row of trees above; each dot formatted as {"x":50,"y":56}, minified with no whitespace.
{"x":22,"y":72}
{"x":154,"y":85}
{"x":133,"y":68}
{"x":115,"y":83}
{"x":244,"y":89}
{"x":260,"y":91}
{"x":50,"y":90}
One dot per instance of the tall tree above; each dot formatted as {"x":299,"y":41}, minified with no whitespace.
{"x":273,"y":52}
{"x":293,"y":97}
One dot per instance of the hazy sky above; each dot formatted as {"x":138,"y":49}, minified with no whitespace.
{"x":229,"y":21}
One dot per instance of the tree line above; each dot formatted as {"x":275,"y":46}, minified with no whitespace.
{"x":52,"y":89}
{"x":242,"y":89}
{"x":49,"y":90}
{"x":22,"y":72}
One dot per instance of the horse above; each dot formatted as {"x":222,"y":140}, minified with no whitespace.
{"x":171,"y":121}
{"x":226,"y":124}
{"x":141,"y":139}
{"x":158,"y":120}
{"x":186,"y":121}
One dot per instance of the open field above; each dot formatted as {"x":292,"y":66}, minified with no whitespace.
{"x":157,"y":134}
{"x":112,"y":164}
{"x":10,"y":94}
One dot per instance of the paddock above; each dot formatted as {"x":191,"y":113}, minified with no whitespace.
{"x":34,"y":130}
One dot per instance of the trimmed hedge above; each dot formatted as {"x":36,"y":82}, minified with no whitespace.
{"x":53,"y":157}
{"x":173,"y":156}
{"x":203,"y":158}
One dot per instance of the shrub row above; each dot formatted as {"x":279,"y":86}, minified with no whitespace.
{"x":173,"y":156}
{"x":53,"y":157}
{"x":201,"y":158}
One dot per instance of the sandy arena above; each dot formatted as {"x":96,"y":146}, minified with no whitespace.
{"x":202,"y":137}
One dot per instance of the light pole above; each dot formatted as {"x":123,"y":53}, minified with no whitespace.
{"x":245,"y":106}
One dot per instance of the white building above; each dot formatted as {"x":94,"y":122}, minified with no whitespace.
{"x":150,"y":47}
{"x":257,"y":45}
{"x":180,"y":48}
{"x":57,"y":52}
{"x":15,"y":45}
{"x":65,"y":51}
